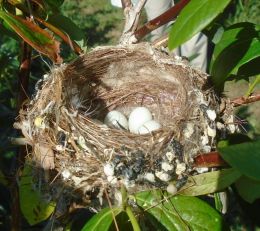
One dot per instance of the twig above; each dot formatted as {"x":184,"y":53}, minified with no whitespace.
{"x":166,"y":17}
{"x":126,"y":3}
{"x":24,"y":73}
{"x":132,"y":15}
{"x":128,"y":209}
{"x":161,"y":42}
{"x":19,"y":141}
{"x":245,"y":100}
{"x":110,"y":206}
{"x":211,"y":159}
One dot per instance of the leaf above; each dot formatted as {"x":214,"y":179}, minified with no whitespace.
{"x":35,"y":36}
{"x":244,"y":157}
{"x":248,"y":189}
{"x":62,"y":35}
{"x":238,"y":46}
{"x":193,"y":18}
{"x":180,"y":212}
{"x":209,"y":182}
{"x":69,"y":27}
{"x":34,"y":207}
{"x":54,"y":5}
{"x":102,"y":220}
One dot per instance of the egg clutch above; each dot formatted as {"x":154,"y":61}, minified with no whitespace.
{"x":140,"y":121}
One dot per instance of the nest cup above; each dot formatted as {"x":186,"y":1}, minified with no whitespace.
{"x":64,"y":122}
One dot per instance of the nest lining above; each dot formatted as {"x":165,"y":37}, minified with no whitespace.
{"x":64,"y":122}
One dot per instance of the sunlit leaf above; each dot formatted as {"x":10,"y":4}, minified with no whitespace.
{"x":244,"y":157}
{"x":238,"y":46}
{"x":194,"y":18}
{"x":38,"y":38}
{"x":209,"y":182}
{"x":178,"y":213}
{"x":102,"y":220}
{"x":34,"y":207}
{"x":248,"y":189}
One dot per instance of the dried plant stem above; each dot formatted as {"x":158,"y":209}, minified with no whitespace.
{"x":166,"y":17}
{"x":111,"y":207}
{"x":245,"y":100}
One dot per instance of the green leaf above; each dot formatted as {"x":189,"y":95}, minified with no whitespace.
{"x":248,"y":189}
{"x":177,"y":213}
{"x":193,"y":18}
{"x":68,"y":26}
{"x":34,"y":207}
{"x":209,"y":182}
{"x":243,"y":157}
{"x":54,"y":5}
{"x":252,"y":85}
{"x":35,"y":36}
{"x":102,"y":220}
{"x":238,"y":46}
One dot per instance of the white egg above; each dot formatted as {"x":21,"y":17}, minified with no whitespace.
{"x":115,"y":119}
{"x":138,"y":117}
{"x":149,"y":127}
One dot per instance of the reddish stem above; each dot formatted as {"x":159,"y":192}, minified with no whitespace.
{"x":161,"y":20}
{"x":211,"y":159}
{"x":24,"y":73}
{"x":245,"y":100}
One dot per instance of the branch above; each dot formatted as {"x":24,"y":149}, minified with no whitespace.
{"x":166,"y":17}
{"x":132,"y":15}
{"x":126,"y":4}
{"x":211,"y":159}
{"x":245,"y":100}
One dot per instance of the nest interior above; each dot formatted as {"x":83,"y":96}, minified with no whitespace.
{"x":64,"y":122}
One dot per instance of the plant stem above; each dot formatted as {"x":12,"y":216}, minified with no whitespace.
{"x":245,"y":100}
{"x":166,"y":17}
{"x":126,"y":3}
{"x":132,"y":218}
{"x":128,"y":209}
{"x":211,"y":159}
{"x":253,"y":85}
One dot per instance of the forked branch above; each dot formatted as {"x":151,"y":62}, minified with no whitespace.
{"x":132,"y":14}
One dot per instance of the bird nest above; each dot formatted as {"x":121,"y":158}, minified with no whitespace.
{"x":79,"y":153}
